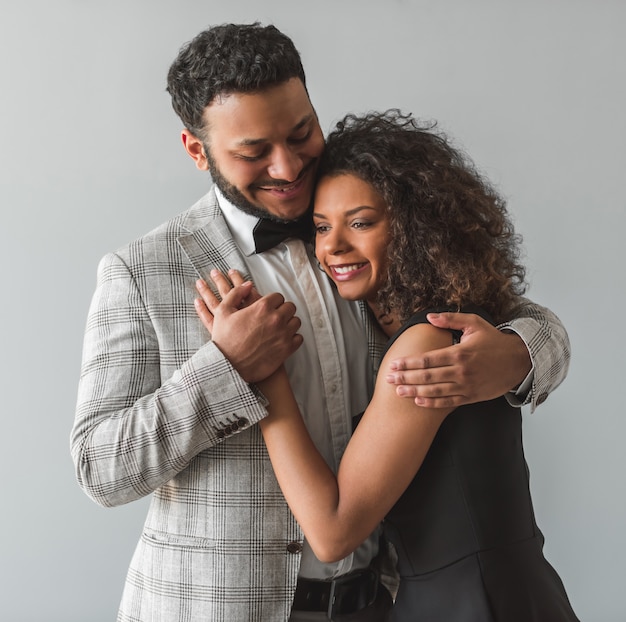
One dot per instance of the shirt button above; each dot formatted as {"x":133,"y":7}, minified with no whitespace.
{"x":294,"y":547}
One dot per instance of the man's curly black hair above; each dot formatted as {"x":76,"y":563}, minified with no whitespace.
{"x":453,"y":243}
{"x":227,"y":59}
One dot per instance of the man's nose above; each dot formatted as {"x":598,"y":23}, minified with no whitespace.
{"x":285,"y":164}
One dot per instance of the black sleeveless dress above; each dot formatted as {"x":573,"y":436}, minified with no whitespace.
{"x":468,"y":545}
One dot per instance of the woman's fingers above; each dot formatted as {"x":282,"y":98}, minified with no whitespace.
{"x":208,"y":305}
{"x":208,"y":297}
{"x":221,"y":282}
{"x":237,"y":280}
{"x":235,"y":277}
{"x":206,"y":317}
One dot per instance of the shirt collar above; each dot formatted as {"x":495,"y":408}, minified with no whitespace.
{"x":239,"y":223}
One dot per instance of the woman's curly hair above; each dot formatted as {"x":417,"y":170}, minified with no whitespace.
{"x":453,"y":243}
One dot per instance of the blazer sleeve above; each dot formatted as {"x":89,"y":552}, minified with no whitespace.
{"x":549,"y":347}
{"x":133,"y":430}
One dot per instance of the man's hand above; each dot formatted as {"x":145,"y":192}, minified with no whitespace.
{"x":484,"y":365}
{"x":255,"y":333}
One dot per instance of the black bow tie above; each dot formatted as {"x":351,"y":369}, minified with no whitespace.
{"x":269,"y":233}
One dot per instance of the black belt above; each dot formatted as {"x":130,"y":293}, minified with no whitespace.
{"x":347,"y":594}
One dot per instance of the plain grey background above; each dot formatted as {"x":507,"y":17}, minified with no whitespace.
{"x":90,"y":158}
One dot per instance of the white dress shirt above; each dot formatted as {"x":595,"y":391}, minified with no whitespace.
{"x":331,"y":373}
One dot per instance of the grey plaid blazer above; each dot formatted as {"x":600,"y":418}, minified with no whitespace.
{"x":160,"y":410}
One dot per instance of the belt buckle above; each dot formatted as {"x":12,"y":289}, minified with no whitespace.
{"x":335,"y":600}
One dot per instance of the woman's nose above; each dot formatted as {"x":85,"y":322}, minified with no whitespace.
{"x":335,"y":242}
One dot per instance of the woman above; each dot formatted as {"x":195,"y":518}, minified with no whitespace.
{"x":404,"y":223}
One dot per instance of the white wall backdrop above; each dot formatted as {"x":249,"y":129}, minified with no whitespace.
{"x":90,"y":158}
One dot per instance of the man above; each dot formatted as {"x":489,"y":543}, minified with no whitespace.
{"x":162,"y":410}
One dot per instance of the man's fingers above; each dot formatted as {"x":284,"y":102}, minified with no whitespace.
{"x":484,"y":365}
{"x":456,"y":321}
{"x":237,"y":279}
{"x":414,"y":377}
{"x":429,"y":381}
{"x":418,"y":368}
{"x":428,"y":391}
{"x":233,"y":300}
{"x":442,"y":402}
{"x":207,"y":306}
{"x":275,"y":301}
{"x":298,"y":340}
{"x":294,"y":323}
{"x":444,"y":360}
{"x":232,"y":297}
{"x":442,"y":395}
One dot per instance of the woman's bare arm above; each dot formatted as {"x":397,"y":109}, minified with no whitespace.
{"x":383,"y":456}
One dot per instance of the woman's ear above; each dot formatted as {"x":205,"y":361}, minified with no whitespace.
{"x":195,"y":149}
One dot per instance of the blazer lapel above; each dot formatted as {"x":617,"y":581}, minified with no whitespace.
{"x":376,"y":338}
{"x":211,"y":245}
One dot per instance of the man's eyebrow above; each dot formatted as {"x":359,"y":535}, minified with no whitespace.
{"x":306,"y":119}
{"x":251,"y":142}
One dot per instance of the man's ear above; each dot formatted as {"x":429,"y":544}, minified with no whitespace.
{"x":195,"y":149}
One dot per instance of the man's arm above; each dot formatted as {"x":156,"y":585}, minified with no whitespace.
{"x":135,"y":430}
{"x":488,"y":362}
{"x":548,"y":345}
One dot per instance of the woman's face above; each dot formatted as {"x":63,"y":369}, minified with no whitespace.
{"x":352,"y":235}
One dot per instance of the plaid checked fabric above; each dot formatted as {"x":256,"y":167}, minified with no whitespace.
{"x":160,"y":410}
{"x":549,"y":346}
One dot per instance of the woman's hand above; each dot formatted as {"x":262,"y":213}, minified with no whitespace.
{"x":235,"y":293}
{"x":255,"y":333}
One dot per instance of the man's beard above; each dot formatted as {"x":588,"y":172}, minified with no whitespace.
{"x":233,"y":194}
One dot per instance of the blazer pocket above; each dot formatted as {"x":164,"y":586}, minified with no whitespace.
{"x":165,"y":539}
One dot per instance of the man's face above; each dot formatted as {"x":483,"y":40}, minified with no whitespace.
{"x":262,"y":149}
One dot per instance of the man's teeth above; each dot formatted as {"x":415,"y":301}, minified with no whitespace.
{"x":281,"y":188}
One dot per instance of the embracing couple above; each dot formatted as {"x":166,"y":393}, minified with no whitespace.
{"x":314,"y":292}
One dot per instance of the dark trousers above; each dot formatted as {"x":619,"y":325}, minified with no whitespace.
{"x":378,"y":611}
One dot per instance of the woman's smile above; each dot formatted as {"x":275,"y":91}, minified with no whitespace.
{"x":344,"y":272}
{"x":352,"y":235}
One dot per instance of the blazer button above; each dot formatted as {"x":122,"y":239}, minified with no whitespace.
{"x":220,"y":434}
{"x":242,"y":423}
{"x":228,"y":430}
{"x":294,"y":547}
